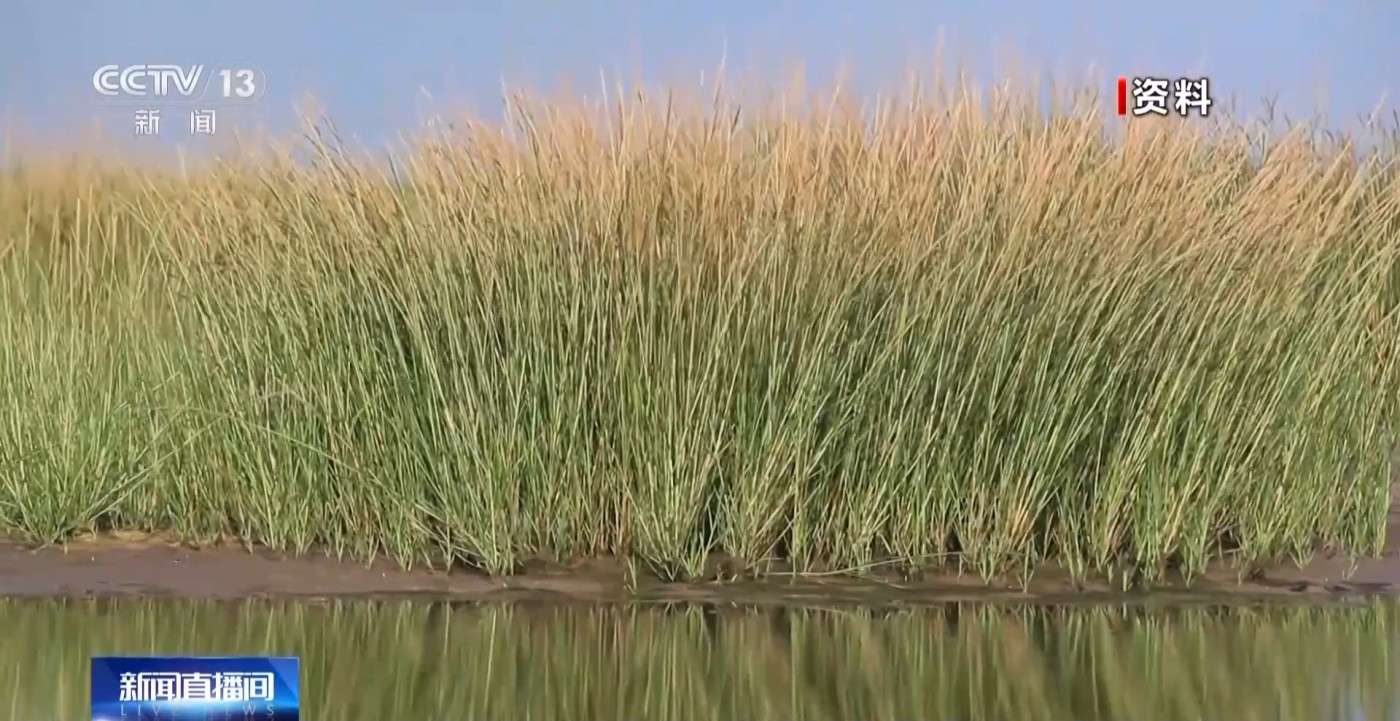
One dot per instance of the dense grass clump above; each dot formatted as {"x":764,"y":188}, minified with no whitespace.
{"x":931,"y":330}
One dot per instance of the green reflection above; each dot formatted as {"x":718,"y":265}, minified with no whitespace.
{"x":421,"y":661}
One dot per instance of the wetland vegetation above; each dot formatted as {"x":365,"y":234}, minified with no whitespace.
{"x":940,"y":330}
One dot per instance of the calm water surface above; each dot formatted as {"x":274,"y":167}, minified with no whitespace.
{"x":407,"y":661}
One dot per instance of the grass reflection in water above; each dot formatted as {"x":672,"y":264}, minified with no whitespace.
{"x":364,"y":660}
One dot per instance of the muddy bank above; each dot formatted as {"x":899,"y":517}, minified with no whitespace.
{"x":144,"y":566}
{"x":140,"y":565}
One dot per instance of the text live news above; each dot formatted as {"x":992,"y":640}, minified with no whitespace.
{"x":185,"y":688}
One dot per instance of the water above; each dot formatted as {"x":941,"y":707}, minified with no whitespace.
{"x":416,"y":661}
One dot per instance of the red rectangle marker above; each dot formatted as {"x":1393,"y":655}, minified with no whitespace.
{"x":1122,"y":96}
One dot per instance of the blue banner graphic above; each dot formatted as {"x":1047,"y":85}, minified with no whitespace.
{"x":175,"y":688}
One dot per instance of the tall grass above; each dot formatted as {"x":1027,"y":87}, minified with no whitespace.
{"x":441,"y":661}
{"x":938,"y":329}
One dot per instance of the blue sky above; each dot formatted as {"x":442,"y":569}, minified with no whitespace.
{"x":367,"y":62}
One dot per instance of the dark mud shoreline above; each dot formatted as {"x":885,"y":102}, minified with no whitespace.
{"x":129,"y":565}
{"x":135,"y":565}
